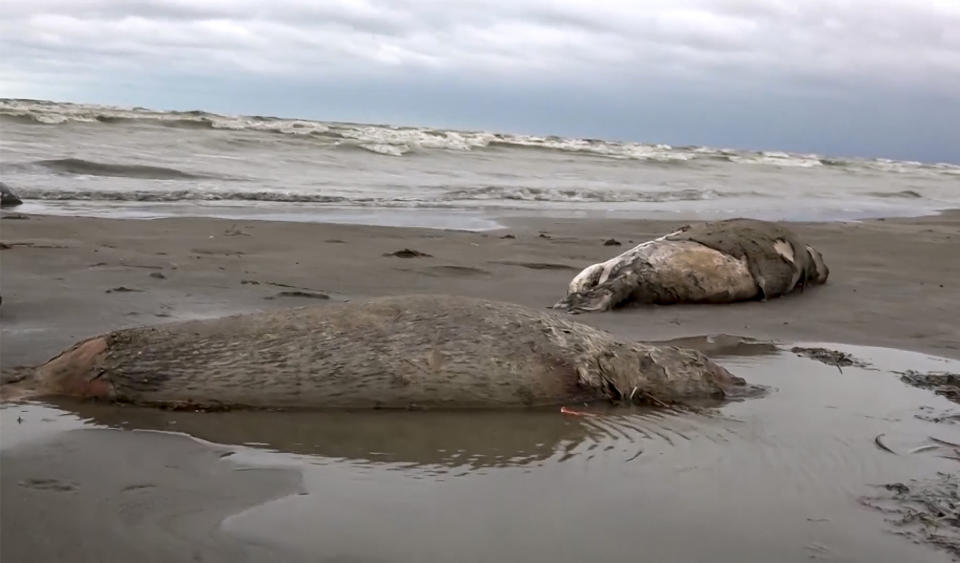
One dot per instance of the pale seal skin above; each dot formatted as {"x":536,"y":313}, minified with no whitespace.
{"x":716,"y":262}
{"x":397,"y":352}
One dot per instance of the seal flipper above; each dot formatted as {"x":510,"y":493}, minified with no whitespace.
{"x":626,"y":284}
{"x":819,"y":272}
{"x":761,"y":287}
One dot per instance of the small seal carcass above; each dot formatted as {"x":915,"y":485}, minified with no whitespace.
{"x":397,"y":352}
{"x":715,"y":262}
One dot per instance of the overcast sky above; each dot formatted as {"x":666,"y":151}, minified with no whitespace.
{"x":845,"y":77}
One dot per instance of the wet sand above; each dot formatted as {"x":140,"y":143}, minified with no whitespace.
{"x":89,"y":495}
{"x":779,"y":478}
{"x":439,"y":486}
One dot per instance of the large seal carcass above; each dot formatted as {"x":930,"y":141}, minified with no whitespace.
{"x":715,"y":262}
{"x":396,"y":352}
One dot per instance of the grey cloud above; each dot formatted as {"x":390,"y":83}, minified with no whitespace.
{"x":769,"y":51}
{"x":918,"y":39}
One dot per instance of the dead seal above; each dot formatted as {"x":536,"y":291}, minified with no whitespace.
{"x":715,"y":262}
{"x":396,"y":352}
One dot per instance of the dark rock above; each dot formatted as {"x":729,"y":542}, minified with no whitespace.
{"x":612,"y":242}
{"x":508,"y":235}
{"x":7,"y":196}
{"x":158,"y":275}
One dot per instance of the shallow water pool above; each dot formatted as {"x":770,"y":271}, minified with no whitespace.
{"x":775,"y":478}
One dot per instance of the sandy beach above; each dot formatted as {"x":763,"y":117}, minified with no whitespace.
{"x":163,"y":497}
{"x":893,"y":282}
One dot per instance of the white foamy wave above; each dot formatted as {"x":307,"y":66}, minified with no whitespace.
{"x":398,"y":141}
{"x":289,"y":127}
{"x":778,"y":159}
{"x":951,"y":169}
{"x":490,"y":193}
{"x":609,"y":149}
{"x":383,"y":148}
{"x":441,"y":199}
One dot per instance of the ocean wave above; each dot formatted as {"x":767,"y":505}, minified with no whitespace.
{"x":398,"y":142}
{"x":90,"y":168}
{"x":777,"y":159}
{"x":495,"y":193}
{"x":947,"y":167}
{"x":158,"y":196}
{"x":200,"y":123}
{"x":905,"y":194}
{"x":486,"y":194}
{"x":606,"y":149}
{"x":382,"y":148}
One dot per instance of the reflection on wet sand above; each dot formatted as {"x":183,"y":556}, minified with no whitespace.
{"x":467,"y":439}
{"x":454,"y":438}
{"x":776,"y":478}
{"x":724,"y":345}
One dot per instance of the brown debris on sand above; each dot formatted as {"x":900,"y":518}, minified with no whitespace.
{"x":940,"y":417}
{"x":880,"y":444}
{"x":534,"y":265}
{"x":925,"y":511}
{"x":408,"y":253}
{"x":235,"y":231}
{"x":123,"y":289}
{"x":829,"y":357}
{"x":298,"y":293}
{"x":942,"y":383}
